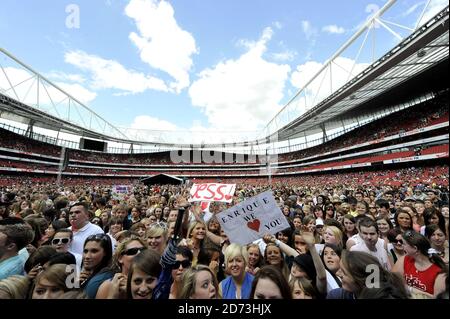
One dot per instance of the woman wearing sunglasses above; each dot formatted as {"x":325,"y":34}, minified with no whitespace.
{"x":395,"y":246}
{"x":61,"y":242}
{"x":183,"y":261}
{"x":424,"y":271}
{"x":122,"y":258}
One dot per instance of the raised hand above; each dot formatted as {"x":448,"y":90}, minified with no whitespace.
{"x":181,"y":202}
{"x":268,"y":238}
{"x":214,"y":266}
{"x":308,"y":236}
{"x":84,"y":275}
{"x":34,"y":271}
{"x":119,"y":285}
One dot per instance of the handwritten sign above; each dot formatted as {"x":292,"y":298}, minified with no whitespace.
{"x":252,"y":219}
{"x":120,"y":191}
{"x":212,"y":192}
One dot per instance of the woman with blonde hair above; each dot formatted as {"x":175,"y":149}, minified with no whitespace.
{"x":333,"y":235}
{"x":156,"y":237}
{"x":239,"y":282}
{"x":255,"y":259}
{"x":14,"y":287}
{"x":195,"y":238}
{"x":199,"y":282}
{"x":124,"y":254}
{"x":51,"y":283}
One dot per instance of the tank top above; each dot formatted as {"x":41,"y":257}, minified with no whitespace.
{"x":422,"y":280}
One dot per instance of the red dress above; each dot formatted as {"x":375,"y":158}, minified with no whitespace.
{"x":422,"y":280}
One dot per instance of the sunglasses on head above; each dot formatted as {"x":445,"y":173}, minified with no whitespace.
{"x":57,"y":241}
{"x":408,"y":233}
{"x":97,"y":237}
{"x":159,"y":224}
{"x":185,"y":264}
{"x":133,"y":251}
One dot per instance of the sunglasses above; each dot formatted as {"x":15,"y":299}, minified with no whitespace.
{"x":57,"y":241}
{"x":97,"y":237}
{"x":159,"y":224}
{"x":133,"y":251}
{"x":399,"y":241}
{"x":408,"y":233}
{"x":185,"y":264}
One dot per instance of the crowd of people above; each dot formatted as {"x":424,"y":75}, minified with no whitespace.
{"x":418,"y":116}
{"x":83,"y":241}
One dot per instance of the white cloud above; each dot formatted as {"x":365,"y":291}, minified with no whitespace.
{"x":412,"y":9}
{"x":288,"y":55}
{"x":145,"y":122}
{"x":61,"y":76}
{"x":110,"y":74}
{"x":277,"y":25}
{"x":77,"y":91}
{"x":244,"y":93}
{"x":434,"y":7}
{"x":333,"y":29}
{"x":50,"y":99}
{"x":321,"y":88}
{"x":147,"y":128}
{"x":161,"y":42}
{"x":309,"y":31}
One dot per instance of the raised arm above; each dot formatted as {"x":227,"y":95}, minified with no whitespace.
{"x":321,"y":278}
{"x":286,"y":249}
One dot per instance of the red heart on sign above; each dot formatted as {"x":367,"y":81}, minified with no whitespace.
{"x":228,"y":197}
{"x":204,"y":205}
{"x":254,"y":225}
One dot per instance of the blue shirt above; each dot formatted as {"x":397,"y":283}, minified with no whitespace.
{"x":229,"y":287}
{"x":95,"y":282}
{"x":14,"y":265}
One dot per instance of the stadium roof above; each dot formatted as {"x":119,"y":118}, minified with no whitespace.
{"x":424,"y":49}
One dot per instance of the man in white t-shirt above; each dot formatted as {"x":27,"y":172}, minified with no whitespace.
{"x":81,"y":227}
{"x":371,"y":244}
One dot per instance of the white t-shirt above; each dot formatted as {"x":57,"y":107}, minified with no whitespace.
{"x":331,"y":282}
{"x":380,"y":252}
{"x":80,"y":236}
{"x":319,"y":248}
{"x":356,"y":239}
{"x":113,"y":242}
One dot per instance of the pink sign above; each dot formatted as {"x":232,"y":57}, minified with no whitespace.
{"x":212,"y":192}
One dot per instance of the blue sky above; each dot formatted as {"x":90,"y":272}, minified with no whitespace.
{"x":189,"y":64}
